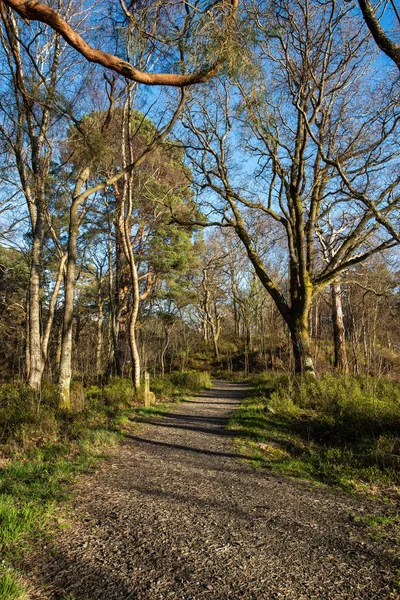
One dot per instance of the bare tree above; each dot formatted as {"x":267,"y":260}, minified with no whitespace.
{"x":35,"y":61}
{"x":320,"y":151}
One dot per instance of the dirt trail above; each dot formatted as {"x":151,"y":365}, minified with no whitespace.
{"x":175,"y":514}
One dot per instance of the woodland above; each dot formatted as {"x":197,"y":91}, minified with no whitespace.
{"x":198,"y":190}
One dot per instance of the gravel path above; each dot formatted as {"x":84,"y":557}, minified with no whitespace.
{"x":175,"y":514}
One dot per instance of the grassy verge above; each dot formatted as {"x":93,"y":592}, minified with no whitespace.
{"x":42,"y":450}
{"x":339,"y":431}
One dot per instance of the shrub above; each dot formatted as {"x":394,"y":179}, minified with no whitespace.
{"x":192,"y":381}
{"x":118,"y":392}
{"x":162,"y":387}
{"x":18,"y":408}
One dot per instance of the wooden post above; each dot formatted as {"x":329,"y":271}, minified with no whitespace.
{"x":146,"y":389}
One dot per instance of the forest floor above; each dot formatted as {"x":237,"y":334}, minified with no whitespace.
{"x":175,"y":513}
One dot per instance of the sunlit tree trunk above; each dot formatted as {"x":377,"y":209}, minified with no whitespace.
{"x":339,"y":334}
{"x":64,"y":380}
{"x":52,"y":307}
{"x":35,"y":340}
{"x":99,"y":344}
{"x":132,"y":327}
{"x":303,"y":361}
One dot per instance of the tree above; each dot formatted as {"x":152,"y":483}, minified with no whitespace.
{"x":320,"y":152}
{"x":34,"y":108}
{"x":210,"y":291}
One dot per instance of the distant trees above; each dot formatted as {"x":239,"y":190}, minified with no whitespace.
{"x":14,"y":279}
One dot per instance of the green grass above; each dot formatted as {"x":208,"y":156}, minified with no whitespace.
{"x":180,"y":384}
{"x":42,"y":450}
{"x":11,"y":585}
{"x":32,"y":486}
{"x":333,"y":430}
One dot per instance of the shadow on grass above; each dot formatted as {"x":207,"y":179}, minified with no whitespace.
{"x":341,"y":451}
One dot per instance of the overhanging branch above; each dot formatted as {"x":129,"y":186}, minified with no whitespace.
{"x":33,"y":10}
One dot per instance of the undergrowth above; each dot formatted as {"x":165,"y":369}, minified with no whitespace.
{"x":42,"y":449}
{"x":336,"y":430}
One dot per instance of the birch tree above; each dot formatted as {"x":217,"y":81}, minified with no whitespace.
{"x":31,"y":105}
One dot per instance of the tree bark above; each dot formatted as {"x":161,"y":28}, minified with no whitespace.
{"x":339,"y":334}
{"x":99,"y":344}
{"x":64,"y":381}
{"x":132,"y":327}
{"x":303,"y":361}
{"x":385,"y":43}
{"x":52,"y":307}
{"x":35,"y":341}
{"x":37,"y":11}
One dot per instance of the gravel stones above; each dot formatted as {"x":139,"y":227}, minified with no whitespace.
{"x":174,"y":514}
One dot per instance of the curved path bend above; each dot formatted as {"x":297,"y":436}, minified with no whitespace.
{"x":175,"y":514}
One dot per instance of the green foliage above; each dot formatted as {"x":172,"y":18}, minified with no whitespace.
{"x":179,"y":384}
{"x":26,"y":417}
{"x":102,"y":146}
{"x":45,"y":449}
{"x":11,"y":585}
{"x":192,"y":381}
{"x":337,"y":430}
{"x":119,"y":392}
{"x":163,"y":387}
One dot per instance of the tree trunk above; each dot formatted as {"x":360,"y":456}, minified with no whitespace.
{"x":134,"y":350}
{"x":214,"y":336}
{"x":339,"y":334}
{"x":52,"y":308}
{"x":99,"y":344}
{"x":117,"y":302}
{"x":57,"y":358}
{"x":303,"y":362}
{"x":165,"y":348}
{"x":27,"y":341}
{"x":64,"y":380}
{"x":132,"y":326}
{"x":35,"y":342}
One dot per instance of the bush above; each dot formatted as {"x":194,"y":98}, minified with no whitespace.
{"x":18,"y":409}
{"x":163,"y":387}
{"x":119,"y":393}
{"x":356,"y":406}
{"x":192,"y":381}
